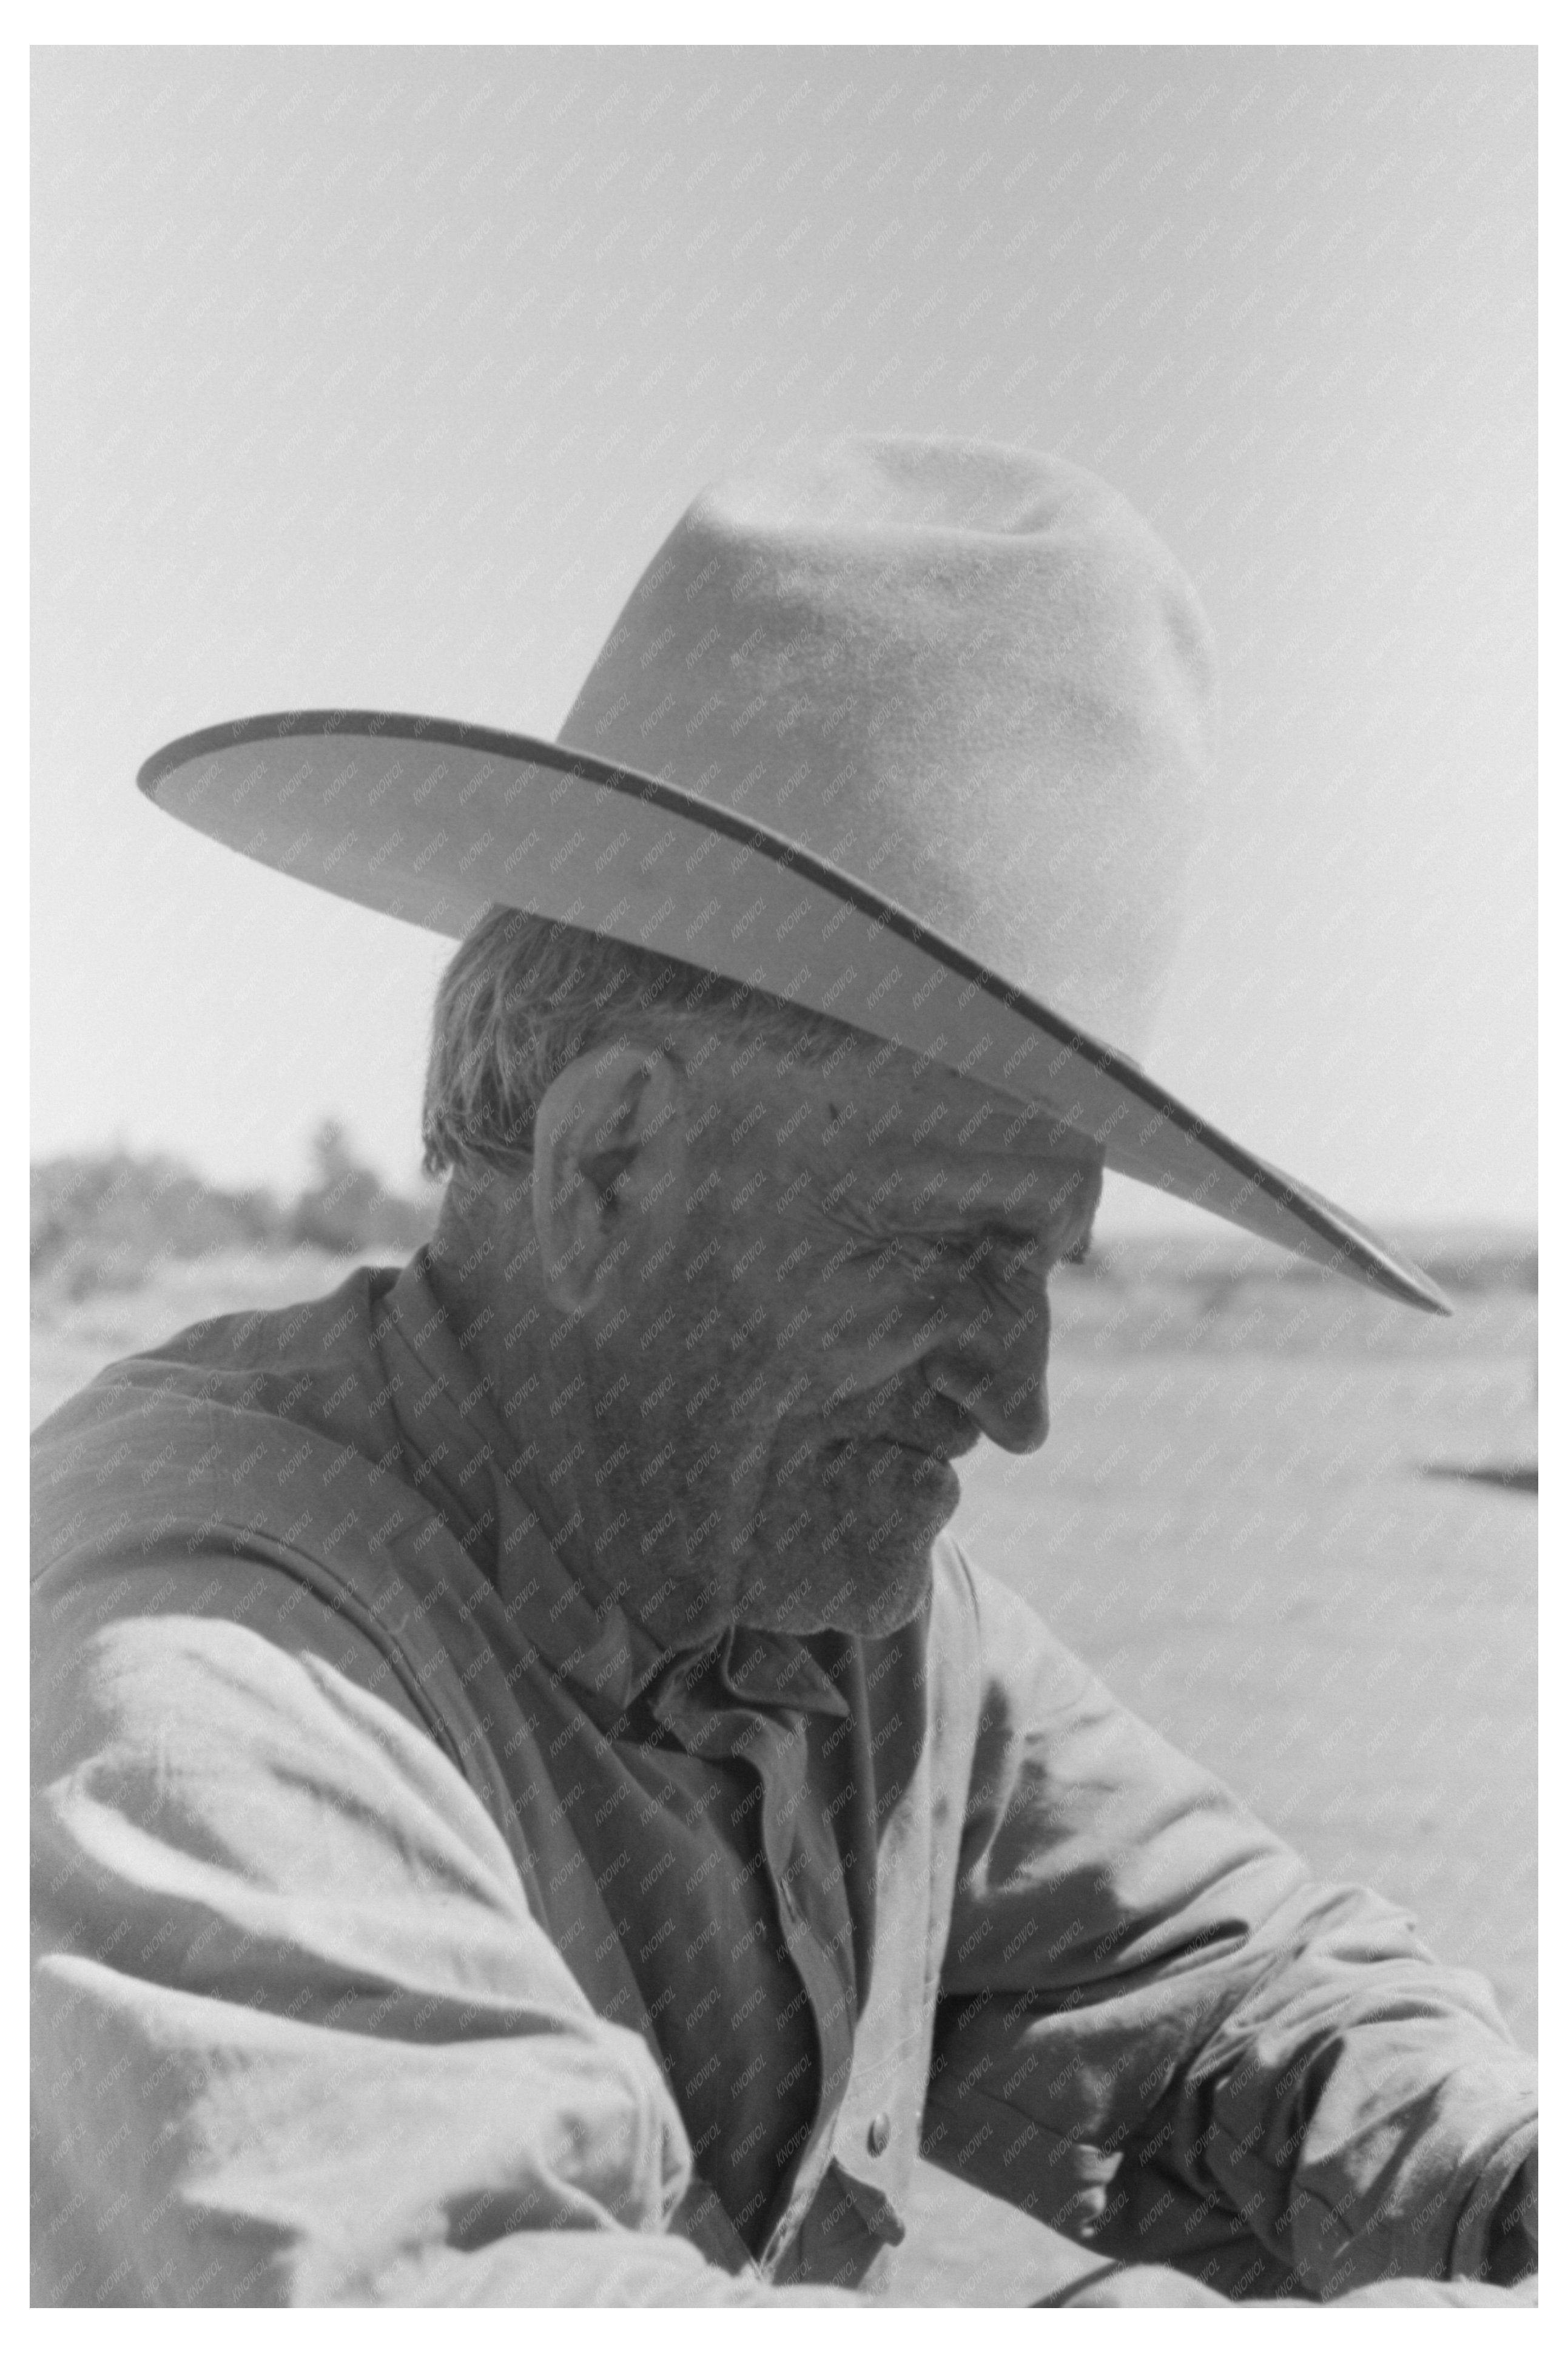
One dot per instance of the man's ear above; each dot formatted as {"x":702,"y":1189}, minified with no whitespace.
{"x":605,"y":1136}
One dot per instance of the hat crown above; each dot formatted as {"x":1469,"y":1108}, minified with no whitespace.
{"x":970,"y":677}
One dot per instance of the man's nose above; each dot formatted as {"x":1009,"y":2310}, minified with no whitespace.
{"x":999,"y":1378}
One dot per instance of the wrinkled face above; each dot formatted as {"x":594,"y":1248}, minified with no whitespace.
{"x":853,"y":1293}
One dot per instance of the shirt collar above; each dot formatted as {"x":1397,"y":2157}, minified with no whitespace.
{"x":465,"y":1461}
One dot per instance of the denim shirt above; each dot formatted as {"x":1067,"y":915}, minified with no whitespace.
{"x":431,"y":1936}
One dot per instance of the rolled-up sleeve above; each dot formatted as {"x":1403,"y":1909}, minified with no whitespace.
{"x":298,"y":2037}
{"x":1158,"y":2033}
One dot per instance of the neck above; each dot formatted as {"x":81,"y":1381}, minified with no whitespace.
{"x":584,"y":1458}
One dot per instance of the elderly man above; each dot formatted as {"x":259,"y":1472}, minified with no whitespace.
{"x":533,"y":1807}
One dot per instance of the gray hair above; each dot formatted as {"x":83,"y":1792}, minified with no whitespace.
{"x":526,"y":995}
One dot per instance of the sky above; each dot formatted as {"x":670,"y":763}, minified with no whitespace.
{"x":374,"y":377}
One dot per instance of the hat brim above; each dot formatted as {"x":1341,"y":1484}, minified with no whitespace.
{"x":434,"y":821}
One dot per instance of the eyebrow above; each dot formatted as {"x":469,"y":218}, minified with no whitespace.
{"x":999,"y":1227}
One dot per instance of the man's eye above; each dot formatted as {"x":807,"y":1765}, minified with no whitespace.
{"x":1011,"y":1256}
{"x":919,"y":1257}
{"x":993,"y":1255}
{"x":1020,"y":1254}
{"x":997,"y":1257}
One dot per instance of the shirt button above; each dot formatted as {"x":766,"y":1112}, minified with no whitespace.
{"x":879,"y":2133}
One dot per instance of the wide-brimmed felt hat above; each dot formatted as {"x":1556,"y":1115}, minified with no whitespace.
{"x":914,"y":733}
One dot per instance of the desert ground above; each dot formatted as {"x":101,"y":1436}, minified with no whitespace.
{"x":1270,"y":1515}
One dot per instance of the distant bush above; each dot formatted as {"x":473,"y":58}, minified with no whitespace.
{"x":106,"y":1221}
{"x":348,"y":1208}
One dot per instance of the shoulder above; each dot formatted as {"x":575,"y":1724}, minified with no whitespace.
{"x":199,"y":1483}
{"x":226,"y":1427}
{"x":282,"y":1364}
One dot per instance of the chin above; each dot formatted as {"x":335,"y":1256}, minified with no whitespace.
{"x":888,"y":1611}
{"x":865,"y":1596}
{"x":853,"y":1567}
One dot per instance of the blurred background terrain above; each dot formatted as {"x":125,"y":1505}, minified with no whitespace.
{"x":1292,"y":1526}
{"x":374,"y":375}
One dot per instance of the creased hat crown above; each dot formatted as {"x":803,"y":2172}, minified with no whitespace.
{"x":970,"y":677}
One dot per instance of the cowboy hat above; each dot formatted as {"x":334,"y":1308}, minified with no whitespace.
{"x":914,"y":733}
